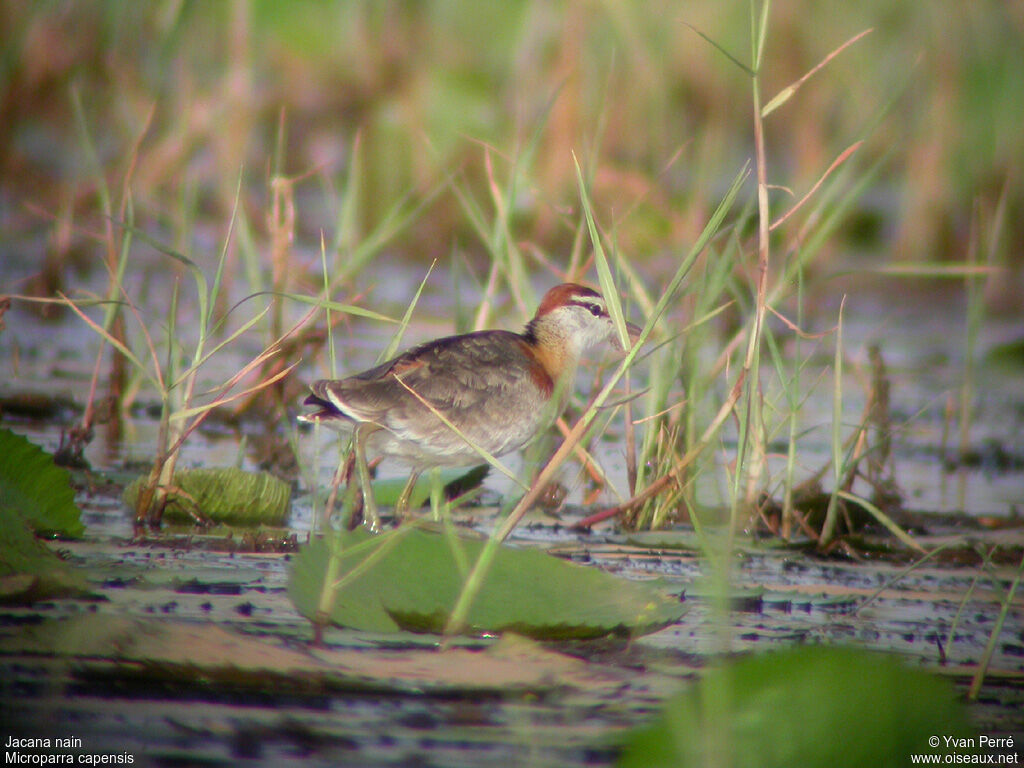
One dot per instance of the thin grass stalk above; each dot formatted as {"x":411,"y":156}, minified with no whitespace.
{"x":828,"y":528}
{"x":896,"y":578}
{"x":717,"y":699}
{"x":631,"y":462}
{"x":698,"y":381}
{"x":975,"y":311}
{"x":459,"y":555}
{"x":883,"y":519}
{"x":502,"y":243}
{"x":484,"y":454}
{"x":115,"y":259}
{"x":986,"y":657}
{"x":794,"y":414}
{"x":318,"y":524}
{"x":346,"y":227}
{"x":951,"y":634}
{"x":604,"y":273}
{"x":750,"y":459}
{"x":660,"y":382}
{"x":334,"y":581}
{"x":678,"y":473}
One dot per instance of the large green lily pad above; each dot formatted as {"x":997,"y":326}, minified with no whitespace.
{"x":36,"y":489}
{"x":813,"y":706}
{"x":410,"y":579}
{"x":29,"y":570}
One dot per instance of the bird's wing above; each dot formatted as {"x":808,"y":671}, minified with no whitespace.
{"x":454,"y":375}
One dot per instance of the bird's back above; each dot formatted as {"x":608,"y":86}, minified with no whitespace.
{"x":488,"y":385}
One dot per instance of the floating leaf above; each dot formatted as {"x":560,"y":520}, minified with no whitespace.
{"x":455,"y":482}
{"x":29,"y":571}
{"x":36,"y":489}
{"x":160,"y":653}
{"x":224,"y":495}
{"x":688,"y":541}
{"x":804,"y":706}
{"x":414,"y":579}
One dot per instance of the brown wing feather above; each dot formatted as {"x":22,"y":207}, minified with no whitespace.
{"x":456,"y":375}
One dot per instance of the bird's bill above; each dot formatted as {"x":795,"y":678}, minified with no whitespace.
{"x":633,"y":331}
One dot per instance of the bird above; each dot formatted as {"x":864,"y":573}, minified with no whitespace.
{"x":444,"y":402}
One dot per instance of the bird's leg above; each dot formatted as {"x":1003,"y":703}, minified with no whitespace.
{"x":402,"y":505}
{"x":363,"y":431}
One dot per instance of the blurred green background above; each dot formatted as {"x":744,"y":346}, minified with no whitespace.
{"x":206,"y":90}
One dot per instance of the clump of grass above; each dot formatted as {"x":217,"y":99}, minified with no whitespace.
{"x":674,"y":427}
{"x":169,"y":365}
{"x":176,"y":384}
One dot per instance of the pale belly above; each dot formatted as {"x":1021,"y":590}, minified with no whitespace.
{"x":431,"y":443}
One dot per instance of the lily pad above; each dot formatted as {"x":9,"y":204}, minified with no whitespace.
{"x":223,"y":495}
{"x":804,"y":706}
{"x":167,"y":652}
{"x":36,"y":489}
{"x":454,"y":482}
{"x":29,"y":571}
{"x":410,"y":579}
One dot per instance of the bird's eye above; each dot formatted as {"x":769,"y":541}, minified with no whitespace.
{"x":595,"y":310}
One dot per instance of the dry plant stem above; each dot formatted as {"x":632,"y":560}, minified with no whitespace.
{"x":222,"y":399}
{"x":281,"y":224}
{"x":344,"y":470}
{"x":844,"y":155}
{"x":547,"y":474}
{"x":755,"y":462}
{"x":631,"y":466}
{"x":115,"y":320}
{"x":790,"y":90}
{"x":490,"y":459}
{"x":675,"y":477}
{"x":590,"y":466}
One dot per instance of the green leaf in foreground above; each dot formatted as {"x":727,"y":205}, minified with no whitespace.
{"x":29,"y":571}
{"x":36,"y":489}
{"x":811,"y":706}
{"x":223,"y":495}
{"x":413,"y":580}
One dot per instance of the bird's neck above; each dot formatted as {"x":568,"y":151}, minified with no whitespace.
{"x":552,"y":350}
